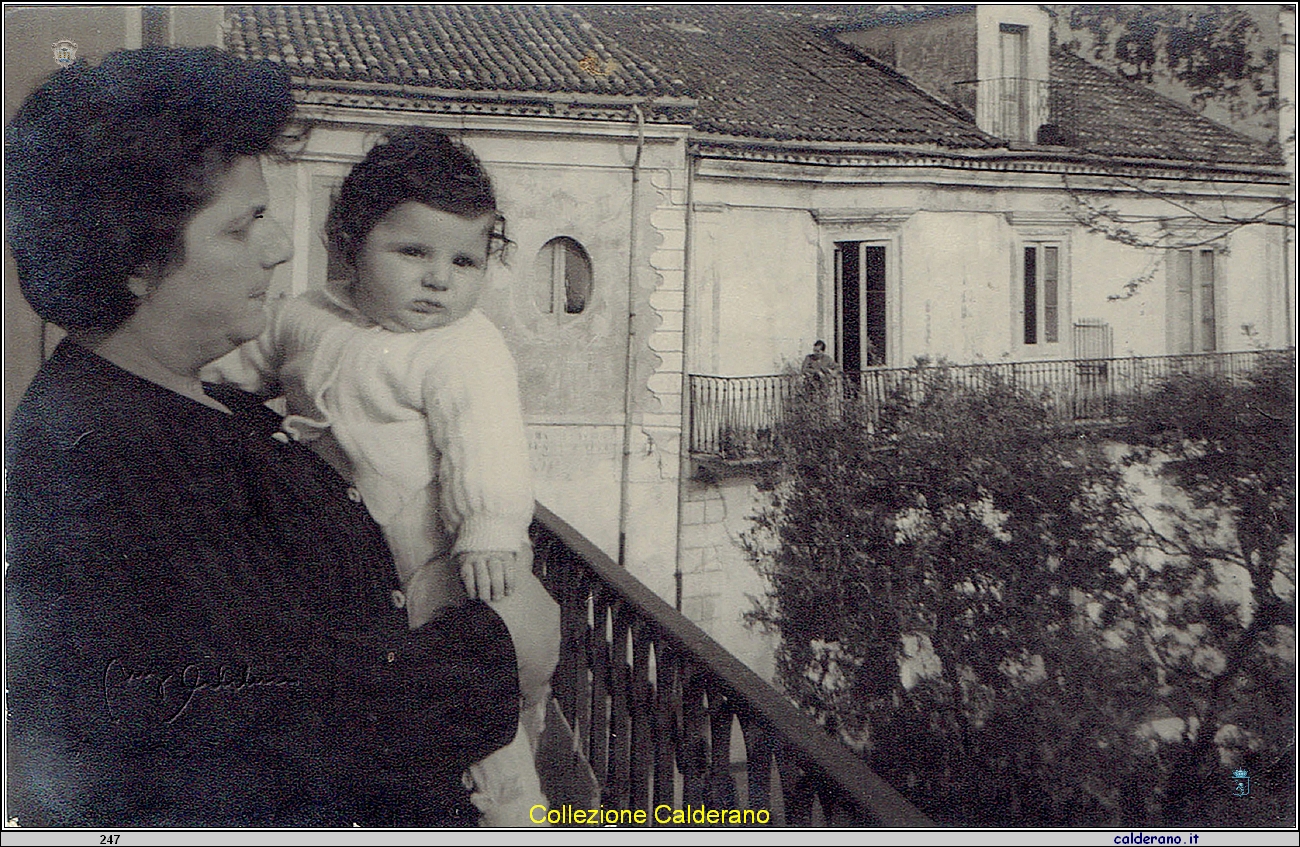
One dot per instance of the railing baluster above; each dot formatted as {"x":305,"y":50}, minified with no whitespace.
{"x":598,"y":752}
{"x":573,"y":626}
{"x":693,"y":754}
{"x":667,"y":735}
{"x":641,"y":758}
{"x":759,"y":747}
{"x":796,"y":789}
{"x":581,"y":645}
{"x":837,"y":809}
{"x":722,"y":787}
{"x":620,"y":722}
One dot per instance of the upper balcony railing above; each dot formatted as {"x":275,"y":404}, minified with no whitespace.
{"x":1025,"y":110}
{"x":653,"y":703}
{"x":736,"y":418}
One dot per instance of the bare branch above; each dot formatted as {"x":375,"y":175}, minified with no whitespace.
{"x":1115,"y":224}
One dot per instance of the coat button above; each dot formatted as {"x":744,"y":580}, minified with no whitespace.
{"x":353,"y":494}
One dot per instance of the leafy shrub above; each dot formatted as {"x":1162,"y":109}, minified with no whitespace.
{"x":970,"y":596}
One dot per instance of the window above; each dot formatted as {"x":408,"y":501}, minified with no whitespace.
{"x":1192,"y":323}
{"x":861,"y":305}
{"x":1042,"y":295}
{"x":563,"y":277}
{"x":1012,"y":94}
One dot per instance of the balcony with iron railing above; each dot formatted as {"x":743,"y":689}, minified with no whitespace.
{"x":735,"y":419}
{"x":651,"y":704}
{"x":1035,"y":111}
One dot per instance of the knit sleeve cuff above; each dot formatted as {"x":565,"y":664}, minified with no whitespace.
{"x":480,"y":533}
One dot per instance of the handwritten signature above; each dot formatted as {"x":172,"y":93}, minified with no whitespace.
{"x":170,"y":695}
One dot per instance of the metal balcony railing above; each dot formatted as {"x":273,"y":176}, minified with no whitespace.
{"x":1027,"y":110}
{"x":736,"y":418}
{"x":653,"y":703}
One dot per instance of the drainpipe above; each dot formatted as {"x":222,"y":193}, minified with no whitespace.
{"x":629,"y":385}
{"x":685,"y":466}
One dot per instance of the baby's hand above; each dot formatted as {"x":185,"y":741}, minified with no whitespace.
{"x":488,"y":574}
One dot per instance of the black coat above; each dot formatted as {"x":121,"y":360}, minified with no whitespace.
{"x":200,"y":630}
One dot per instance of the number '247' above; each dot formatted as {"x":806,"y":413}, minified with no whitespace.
{"x":109,"y":839}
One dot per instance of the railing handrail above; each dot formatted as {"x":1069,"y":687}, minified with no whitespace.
{"x":1205,"y":354}
{"x":854,"y":777}
{"x":736,"y":418}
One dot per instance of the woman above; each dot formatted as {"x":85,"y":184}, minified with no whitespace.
{"x":200,"y":629}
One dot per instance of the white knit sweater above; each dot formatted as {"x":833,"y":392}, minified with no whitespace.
{"x":430,"y":422}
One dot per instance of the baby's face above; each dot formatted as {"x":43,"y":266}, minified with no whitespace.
{"x":420,"y":268}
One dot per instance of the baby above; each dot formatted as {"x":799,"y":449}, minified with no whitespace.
{"x":403,"y":385}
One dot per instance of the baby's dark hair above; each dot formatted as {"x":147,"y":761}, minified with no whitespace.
{"x":413,"y":164}
{"x":106,"y":165}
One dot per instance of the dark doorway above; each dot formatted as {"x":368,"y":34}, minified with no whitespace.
{"x":861,"y":310}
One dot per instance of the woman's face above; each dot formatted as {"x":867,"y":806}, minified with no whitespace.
{"x":216,"y":297}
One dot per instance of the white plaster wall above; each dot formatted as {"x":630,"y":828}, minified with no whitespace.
{"x":576,"y":472}
{"x":754,"y":288}
{"x":1252,"y":312}
{"x":718,"y":580}
{"x":1101,"y":269}
{"x":955,"y":287}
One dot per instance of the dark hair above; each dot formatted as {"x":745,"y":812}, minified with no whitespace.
{"x":819,"y":345}
{"x":106,"y":165}
{"x":414,"y":164}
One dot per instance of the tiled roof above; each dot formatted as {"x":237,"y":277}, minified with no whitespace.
{"x":468,"y":48}
{"x":1112,"y":117}
{"x":758,"y":72}
{"x":769,"y":78}
{"x":761,"y":73}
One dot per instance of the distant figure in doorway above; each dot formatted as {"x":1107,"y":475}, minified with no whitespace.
{"x":820,"y":367}
{"x":873,"y":354}
{"x":823,"y":379}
